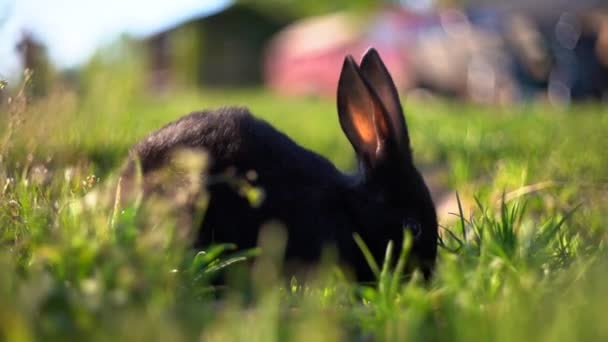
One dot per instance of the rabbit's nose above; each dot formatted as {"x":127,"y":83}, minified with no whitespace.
{"x":414,"y":226}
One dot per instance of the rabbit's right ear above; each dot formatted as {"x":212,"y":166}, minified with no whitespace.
{"x":375,"y":72}
{"x":362,"y":115}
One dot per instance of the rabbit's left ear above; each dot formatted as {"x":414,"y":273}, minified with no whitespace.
{"x":379,"y":79}
{"x":362,"y":116}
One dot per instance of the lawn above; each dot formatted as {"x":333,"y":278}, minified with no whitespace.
{"x":526,"y":260}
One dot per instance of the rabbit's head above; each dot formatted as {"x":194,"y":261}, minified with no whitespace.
{"x":391,"y":189}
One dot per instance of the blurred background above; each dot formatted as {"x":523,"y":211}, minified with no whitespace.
{"x":479,"y":51}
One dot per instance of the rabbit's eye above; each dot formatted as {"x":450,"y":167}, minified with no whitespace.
{"x":414,"y":226}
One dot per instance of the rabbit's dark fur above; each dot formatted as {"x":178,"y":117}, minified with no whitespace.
{"x":318,"y":204}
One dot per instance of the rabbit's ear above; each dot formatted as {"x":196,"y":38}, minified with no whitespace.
{"x":377,"y":75}
{"x":362,"y":116}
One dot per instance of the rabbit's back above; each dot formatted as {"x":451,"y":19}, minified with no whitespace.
{"x":300,"y":188}
{"x":233,"y":137}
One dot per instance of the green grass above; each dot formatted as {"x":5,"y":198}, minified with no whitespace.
{"x":528,"y":263}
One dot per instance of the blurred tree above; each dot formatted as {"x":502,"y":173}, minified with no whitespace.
{"x":298,"y":9}
{"x":34,"y":58}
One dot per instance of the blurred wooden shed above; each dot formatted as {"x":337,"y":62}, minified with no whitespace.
{"x":221,"y":50}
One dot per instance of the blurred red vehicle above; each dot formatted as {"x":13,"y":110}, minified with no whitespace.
{"x":305,"y":58}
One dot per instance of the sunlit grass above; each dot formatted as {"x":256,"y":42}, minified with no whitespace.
{"x":528,"y":262}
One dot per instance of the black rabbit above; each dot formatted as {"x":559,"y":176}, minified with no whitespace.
{"x":317,"y":203}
